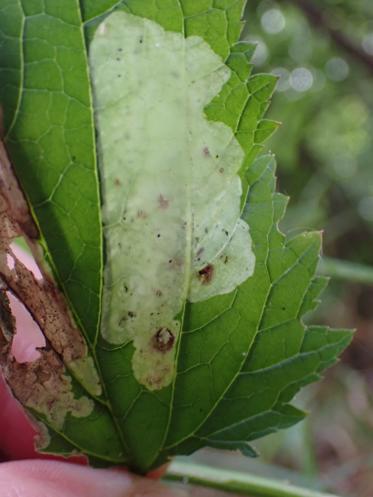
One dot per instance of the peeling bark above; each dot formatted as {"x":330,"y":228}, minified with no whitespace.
{"x":13,"y":205}
{"x":42,"y":299}
{"x":44,"y":385}
{"x":41,"y":385}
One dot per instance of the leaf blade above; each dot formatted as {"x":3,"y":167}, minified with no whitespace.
{"x":50,"y":138}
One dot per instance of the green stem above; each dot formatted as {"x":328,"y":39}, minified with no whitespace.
{"x":345,"y":270}
{"x":235,"y":482}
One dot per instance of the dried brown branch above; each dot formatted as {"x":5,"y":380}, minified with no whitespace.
{"x":319,"y":19}
{"x":43,"y":385}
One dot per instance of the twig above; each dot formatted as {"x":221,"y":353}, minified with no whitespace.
{"x":319,"y":20}
{"x":235,"y":482}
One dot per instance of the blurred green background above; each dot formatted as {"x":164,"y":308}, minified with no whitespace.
{"x":322,"y":51}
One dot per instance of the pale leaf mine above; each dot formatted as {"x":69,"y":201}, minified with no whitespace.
{"x":171,"y":189}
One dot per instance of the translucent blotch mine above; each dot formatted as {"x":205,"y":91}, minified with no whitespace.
{"x":171,"y":190}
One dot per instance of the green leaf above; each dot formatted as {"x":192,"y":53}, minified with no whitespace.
{"x":201,"y":340}
{"x":47,"y":104}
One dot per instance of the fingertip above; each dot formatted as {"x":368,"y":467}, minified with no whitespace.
{"x":16,"y":431}
{"x":59,"y":479}
{"x":35,"y":478}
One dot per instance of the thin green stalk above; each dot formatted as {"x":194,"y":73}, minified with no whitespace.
{"x":345,"y":270}
{"x":310,"y":461}
{"x":235,"y":482}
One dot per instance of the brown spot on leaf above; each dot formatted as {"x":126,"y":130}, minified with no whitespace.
{"x":206,"y":152}
{"x":163,"y":202}
{"x":176,"y":263}
{"x":141,"y":214}
{"x":117,"y":182}
{"x":155,"y":380}
{"x":206,"y":274}
{"x":163,"y":340}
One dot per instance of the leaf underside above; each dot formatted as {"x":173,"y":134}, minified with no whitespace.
{"x":241,"y":357}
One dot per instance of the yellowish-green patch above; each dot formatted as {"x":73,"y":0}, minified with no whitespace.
{"x":171,"y":190}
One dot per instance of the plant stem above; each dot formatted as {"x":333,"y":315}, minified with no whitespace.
{"x":235,"y":482}
{"x":346,"y":270}
{"x":310,"y":461}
